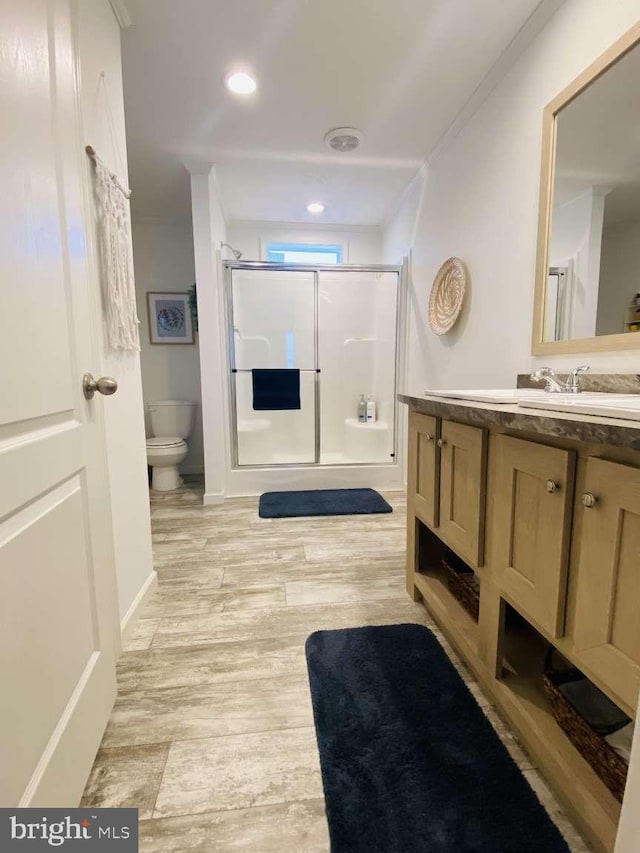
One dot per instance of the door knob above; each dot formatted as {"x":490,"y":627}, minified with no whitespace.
{"x":589,"y":499}
{"x":105,"y":385}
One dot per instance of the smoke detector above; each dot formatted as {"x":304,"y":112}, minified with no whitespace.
{"x":344,"y":139}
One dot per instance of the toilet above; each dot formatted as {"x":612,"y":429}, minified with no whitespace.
{"x":171,"y":423}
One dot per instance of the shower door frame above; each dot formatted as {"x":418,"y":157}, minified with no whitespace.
{"x":232,"y":370}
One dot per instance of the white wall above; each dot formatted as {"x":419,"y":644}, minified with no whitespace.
{"x":619,"y":275}
{"x":103,"y":125}
{"x":209,"y":230}
{"x":361,"y":245}
{"x":480,"y":202}
{"x":163,"y":258}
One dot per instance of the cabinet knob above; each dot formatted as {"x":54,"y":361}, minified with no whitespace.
{"x":441,"y":442}
{"x":589,"y":499}
{"x":552,"y":486}
{"x":428,"y":437}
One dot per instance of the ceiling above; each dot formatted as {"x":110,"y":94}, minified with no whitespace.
{"x":399,"y":70}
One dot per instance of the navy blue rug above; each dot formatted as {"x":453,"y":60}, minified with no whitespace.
{"x":321,"y":502}
{"x":409,"y":761}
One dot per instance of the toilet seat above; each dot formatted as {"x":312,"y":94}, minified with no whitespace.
{"x":160,"y":442}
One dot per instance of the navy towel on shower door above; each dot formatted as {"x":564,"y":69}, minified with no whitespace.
{"x":275,"y":389}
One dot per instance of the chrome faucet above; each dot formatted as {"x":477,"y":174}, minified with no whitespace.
{"x":572,"y":385}
{"x":548,"y":376}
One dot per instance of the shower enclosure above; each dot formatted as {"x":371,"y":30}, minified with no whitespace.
{"x":338,"y":325}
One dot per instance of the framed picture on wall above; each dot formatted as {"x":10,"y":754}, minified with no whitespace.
{"x":169,"y":318}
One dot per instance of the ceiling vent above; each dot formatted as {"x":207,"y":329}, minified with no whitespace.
{"x":344,"y":139}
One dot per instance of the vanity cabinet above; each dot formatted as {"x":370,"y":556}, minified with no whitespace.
{"x":463,"y":477}
{"x":556,"y":552}
{"x":424,"y":469}
{"x":606,"y":621}
{"x":447,"y":482}
{"x":531,"y":496}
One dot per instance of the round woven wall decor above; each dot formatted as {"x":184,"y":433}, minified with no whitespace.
{"x":447,"y":295}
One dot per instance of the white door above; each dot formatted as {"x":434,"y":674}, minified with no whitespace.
{"x":58,"y":610}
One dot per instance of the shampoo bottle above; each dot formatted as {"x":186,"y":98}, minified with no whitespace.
{"x":362,"y":410}
{"x":371,"y":409}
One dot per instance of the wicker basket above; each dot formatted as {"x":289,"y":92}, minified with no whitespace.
{"x":606,"y":762}
{"x":463,"y":584}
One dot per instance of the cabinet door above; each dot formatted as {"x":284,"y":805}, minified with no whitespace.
{"x":424,"y":467}
{"x":532,"y":499}
{"x":607,"y":615}
{"x":462,"y":489}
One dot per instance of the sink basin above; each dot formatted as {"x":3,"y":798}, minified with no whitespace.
{"x":585,"y":403}
{"x":497,"y":395}
{"x":625,"y":406}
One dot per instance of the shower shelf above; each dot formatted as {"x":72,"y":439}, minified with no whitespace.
{"x":354,"y":422}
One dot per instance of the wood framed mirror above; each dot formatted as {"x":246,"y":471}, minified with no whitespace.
{"x":587,"y":296}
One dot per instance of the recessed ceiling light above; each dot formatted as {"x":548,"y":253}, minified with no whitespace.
{"x":240,"y":83}
{"x":315,"y":207}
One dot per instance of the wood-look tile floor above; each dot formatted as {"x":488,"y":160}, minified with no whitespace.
{"x":212,"y":734}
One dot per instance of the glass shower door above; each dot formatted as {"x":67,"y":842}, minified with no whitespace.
{"x":357,"y":339}
{"x":273,"y":318}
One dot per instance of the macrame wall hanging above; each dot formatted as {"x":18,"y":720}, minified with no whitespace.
{"x":114,"y":233}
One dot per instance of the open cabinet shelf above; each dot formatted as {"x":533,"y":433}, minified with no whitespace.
{"x":447,"y":610}
{"x":431,"y":581}
{"x":524,"y":701}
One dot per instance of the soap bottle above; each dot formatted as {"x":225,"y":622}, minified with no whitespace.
{"x":362,"y":410}
{"x":371,"y":409}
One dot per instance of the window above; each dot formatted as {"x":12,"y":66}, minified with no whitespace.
{"x":304,"y":253}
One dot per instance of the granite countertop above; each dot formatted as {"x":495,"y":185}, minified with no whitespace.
{"x":614,"y":432}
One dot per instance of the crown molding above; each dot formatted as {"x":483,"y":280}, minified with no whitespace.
{"x":123,"y":16}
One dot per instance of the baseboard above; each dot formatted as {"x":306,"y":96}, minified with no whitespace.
{"x":133,"y":613}
{"x":210,"y":498}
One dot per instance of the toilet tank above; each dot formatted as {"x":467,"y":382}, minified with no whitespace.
{"x":172,"y":418}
